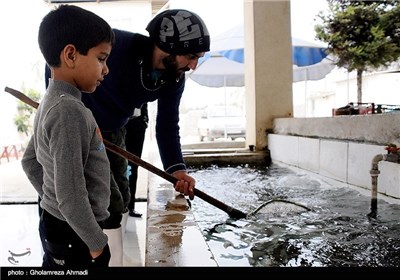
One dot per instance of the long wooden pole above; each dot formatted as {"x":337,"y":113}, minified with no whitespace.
{"x":232,"y":212}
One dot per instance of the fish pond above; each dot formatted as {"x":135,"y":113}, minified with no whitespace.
{"x":336,"y":232}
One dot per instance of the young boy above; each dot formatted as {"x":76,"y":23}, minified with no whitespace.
{"x":65,"y":159}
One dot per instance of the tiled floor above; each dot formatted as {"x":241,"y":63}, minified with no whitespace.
{"x":20,"y":244}
{"x":135,"y":238}
{"x":20,"y":236}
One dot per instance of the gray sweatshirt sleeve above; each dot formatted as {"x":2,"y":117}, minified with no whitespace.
{"x":32,"y":168}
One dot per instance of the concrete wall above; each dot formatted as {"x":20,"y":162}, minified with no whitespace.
{"x":340,"y":148}
{"x":380,"y":129}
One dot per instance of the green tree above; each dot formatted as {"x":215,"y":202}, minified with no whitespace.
{"x":361,"y":35}
{"x":23,"y":118}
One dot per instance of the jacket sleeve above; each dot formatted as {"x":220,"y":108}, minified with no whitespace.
{"x":167,"y":129}
{"x":32,"y":168}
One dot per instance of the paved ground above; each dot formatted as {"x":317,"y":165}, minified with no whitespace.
{"x":14,"y":185}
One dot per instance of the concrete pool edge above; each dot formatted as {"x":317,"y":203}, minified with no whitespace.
{"x":173,"y":237}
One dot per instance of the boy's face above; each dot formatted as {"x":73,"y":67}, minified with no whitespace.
{"x":91,"y":68}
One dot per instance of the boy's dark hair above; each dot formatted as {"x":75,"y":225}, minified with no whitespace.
{"x":68,"y":24}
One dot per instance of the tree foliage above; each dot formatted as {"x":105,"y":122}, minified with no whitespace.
{"x":361,"y":35}
{"x":23,"y":118}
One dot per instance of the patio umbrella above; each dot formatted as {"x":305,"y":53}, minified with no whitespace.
{"x":231,"y":45}
{"x":313,"y":72}
{"x":218,"y":71}
{"x":310,"y":61}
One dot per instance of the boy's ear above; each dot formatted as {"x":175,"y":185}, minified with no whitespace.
{"x":69,"y":54}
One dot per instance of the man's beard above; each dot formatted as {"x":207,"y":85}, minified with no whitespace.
{"x":171,"y":67}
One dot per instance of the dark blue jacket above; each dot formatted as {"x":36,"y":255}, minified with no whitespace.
{"x":128,"y":85}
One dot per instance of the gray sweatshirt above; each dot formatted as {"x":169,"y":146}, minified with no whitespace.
{"x":66,"y":162}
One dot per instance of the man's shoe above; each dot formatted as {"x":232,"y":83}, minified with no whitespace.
{"x":135,"y":214}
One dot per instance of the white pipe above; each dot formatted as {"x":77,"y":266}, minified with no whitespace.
{"x":374,"y":179}
{"x":377,"y":158}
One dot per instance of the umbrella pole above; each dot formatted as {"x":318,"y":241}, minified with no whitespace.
{"x":225,"y":134}
{"x":305,"y":98}
{"x":305,"y":94}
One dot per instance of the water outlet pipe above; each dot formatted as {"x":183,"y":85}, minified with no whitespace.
{"x":392,"y":156}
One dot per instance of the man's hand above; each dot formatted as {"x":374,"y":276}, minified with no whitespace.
{"x":95,"y":254}
{"x":185,"y":183}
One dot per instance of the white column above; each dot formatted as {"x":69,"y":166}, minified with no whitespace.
{"x":268,"y":67}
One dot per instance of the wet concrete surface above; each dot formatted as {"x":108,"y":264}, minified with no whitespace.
{"x":173,"y":236}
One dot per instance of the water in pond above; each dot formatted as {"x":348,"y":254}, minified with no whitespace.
{"x":336,"y":233}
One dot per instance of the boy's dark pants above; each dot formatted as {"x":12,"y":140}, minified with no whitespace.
{"x":63,"y":248}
